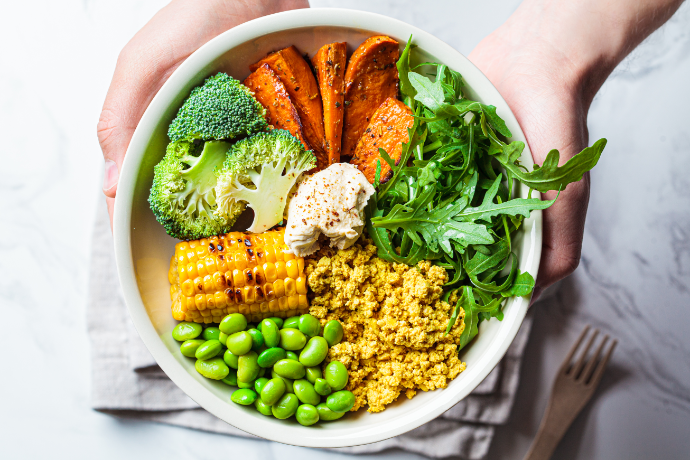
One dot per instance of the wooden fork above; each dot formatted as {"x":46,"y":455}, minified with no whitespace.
{"x":573,"y":387}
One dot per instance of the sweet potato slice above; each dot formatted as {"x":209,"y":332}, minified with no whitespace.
{"x":370,"y":79}
{"x":271,"y":93}
{"x":300,"y":84}
{"x":329,"y":64}
{"x":387,"y":130}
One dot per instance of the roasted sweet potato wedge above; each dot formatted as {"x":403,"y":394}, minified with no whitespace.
{"x":387,"y":130}
{"x":271,"y":93}
{"x":299,"y":81}
{"x":370,"y":79}
{"x":329,"y":63}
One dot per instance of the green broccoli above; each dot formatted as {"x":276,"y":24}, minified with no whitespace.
{"x":222,"y":108}
{"x":261,"y":170}
{"x":182,"y":195}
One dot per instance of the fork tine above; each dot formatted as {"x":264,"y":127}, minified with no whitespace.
{"x":581,"y":362}
{"x":602,"y":365}
{"x":571,"y":353}
{"x":589,"y":368}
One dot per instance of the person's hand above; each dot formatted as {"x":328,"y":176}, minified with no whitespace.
{"x":147,"y":61}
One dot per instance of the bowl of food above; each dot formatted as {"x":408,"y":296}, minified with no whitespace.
{"x":324,"y":227}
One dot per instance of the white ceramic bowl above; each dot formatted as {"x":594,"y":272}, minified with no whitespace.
{"x":143,"y":249}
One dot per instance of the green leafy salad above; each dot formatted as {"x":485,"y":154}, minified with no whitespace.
{"x":451,"y":198}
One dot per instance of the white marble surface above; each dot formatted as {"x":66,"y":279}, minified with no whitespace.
{"x":633,"y":282}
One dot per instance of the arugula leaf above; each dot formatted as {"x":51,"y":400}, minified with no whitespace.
{"x":428,"y":93}
{"x":403,"y":66}
{"x":523,"y":285}
{"x":482,"y":262}
{"x":377,"y":175}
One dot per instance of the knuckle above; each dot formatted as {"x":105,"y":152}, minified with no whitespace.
{"x":107,"y":128}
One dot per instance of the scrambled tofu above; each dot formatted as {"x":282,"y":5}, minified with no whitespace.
{"x":394,"y":322}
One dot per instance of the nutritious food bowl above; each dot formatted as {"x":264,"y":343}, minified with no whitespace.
{"x":143,"y":250}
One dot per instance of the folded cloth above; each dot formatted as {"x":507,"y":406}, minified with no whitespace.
{"x":127,"y":382}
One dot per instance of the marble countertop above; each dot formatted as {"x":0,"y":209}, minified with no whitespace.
{"x":633,"y":281}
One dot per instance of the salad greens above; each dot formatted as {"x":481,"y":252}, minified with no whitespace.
{"x":451,"y":197}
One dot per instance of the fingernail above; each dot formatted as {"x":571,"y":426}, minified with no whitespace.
{"x":111,"y":175}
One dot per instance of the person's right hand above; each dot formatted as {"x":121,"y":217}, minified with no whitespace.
{"x":147,"y":61}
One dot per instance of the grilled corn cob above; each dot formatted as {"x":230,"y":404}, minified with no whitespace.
{"x":252,"y":274}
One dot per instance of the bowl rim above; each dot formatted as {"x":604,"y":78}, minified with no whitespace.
{"x":297,"y":19}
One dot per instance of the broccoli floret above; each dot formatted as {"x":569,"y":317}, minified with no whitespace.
{"x":261,"y":170}
{"x":222,"y":108}
{"x":182,"y":195}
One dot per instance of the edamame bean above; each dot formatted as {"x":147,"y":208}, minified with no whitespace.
{"x":239,"y":343}
{"x":285,"y":407}
{"x":333,"y":332}
{"x":314,"y":373}
{"x":257,"y":339}
{"x":231,"y":359}
{"x":314,"y":352}
{"x":336,"y":375}
{"x":307,"y":415}
{"x":322,"y":387}
{"x":223,"y":337}
{"x":271,"y":332}
{"x":211,"y":333}
{"x":245,"y":396}
{"x":326,"y":414}
{"x":291,"y":355}
{"x":186,"y":331}
{"x":309,"y":325}
{"x":262,"y":371}
{"x":259,"y":384}
{"x":231,"y":379}
{"x":289,"y":368}
{"x":269,"y":357}
{"x":208,"y":350}
{"x":234,"y":322}
{"x":278,"y":321}
{"x":189,"y":347}
{"x":214,"y":369}
{"x":291,"y":339}
{"x":272,"y":391}
{"x":305,"y":392}
{"x":262,"y":407}
{"x":292,"y":322}
{"x":241,"y":384}
{"x":288,"y":383}
{"x":248,"y":368}
{"x":340,"y":401}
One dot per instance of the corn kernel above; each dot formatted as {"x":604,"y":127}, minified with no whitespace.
{"x":300,"y":264}
{"x":188,"y":287}
{"x":200,"y":302}
{"x":248,"y":277}
{"x":229,"y":295}
{"x":255,"y":308}
{"x":283,"y":303}
{"x":281,"y":272}
{"x":219,"y":281}
{"x":244,"y":309}
{"x":279,"y":288}
{"x":198,"y":285}
{"x":217,"y":319}
{"x":210,"y":302}
{"x":220,"y":299}
{"x":273,"y":306}
{"x":270,"y":254}
{"x":209,"y":285}
{"x":191,"y":271}
{"x":288,"y":255}
{"x":302,"y":301}
{"x":290,"y":288}
{"x":301,"y":285}
{"x":190,"y":303}
{"x":237,"y":278}
{"x":270,"y":272}
{"x":264,"y":307}
{"x":221,"y":264}
{"x":258,"y":274}
{"x":181,"y":272}
{"x":259,"y":293}
{"x":233,"y":309}
{"x":249,"y":294}
{"x":293,"y":301}
{"x":269,"y":292}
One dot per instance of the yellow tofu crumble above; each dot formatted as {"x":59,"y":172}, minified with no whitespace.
{"x":394,"y":322}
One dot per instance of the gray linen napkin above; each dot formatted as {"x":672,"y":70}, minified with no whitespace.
{"x":127,"y":382}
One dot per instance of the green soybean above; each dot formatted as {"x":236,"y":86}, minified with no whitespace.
{"x":336,"y":375}
{"x":272,"y":391}
{"x":278,"y":321}
{"x":292,"y":339}
{"x":189,"y":347}
{"x":231,"y":378}
{"x":257,"y":339}
{"x":309,"y":325}
{"x":223,"y":337}
{"x":241,"y":384}
{"x":245,"y":396}
{"x":326,"y":414}
{"x":214,"y":369}
{"x":248,"y":368}
{"x":271,"y":332}
{"x":305,"y":392}
{"x":333,"y":332}
{"x":234,"y":322}
{"x":259,"y":384}
{"x":291,"y":355}
{"x":231,"y":359}
{"x":307,"y":415}
{"x":314,"y":352}
{"x":270,"y":356}
{"x":186,"y":331}
{"x":208,"y":349}
{"x":322,"y":387}
{"x":239,"y":343}
{"x":285,"y":407}
{"x":262,"y":407}
{"x":340,"y":401}
{"x":288,"y":382}
{"x":262,"y":371}
{"x":292,"y":322}
{"x":289,"y":368}
{"x":314,"y":373}
{"x":211,"y":333}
